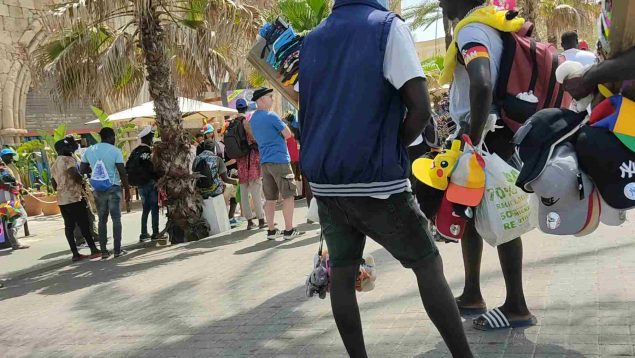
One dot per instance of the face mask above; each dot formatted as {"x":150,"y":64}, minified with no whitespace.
{"x":383,"y":3}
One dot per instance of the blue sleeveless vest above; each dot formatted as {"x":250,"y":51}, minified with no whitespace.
{"x":350,"y":115}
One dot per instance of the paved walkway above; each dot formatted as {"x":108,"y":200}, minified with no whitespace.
{"x":50,"y":249}
{"x":240,"y":295}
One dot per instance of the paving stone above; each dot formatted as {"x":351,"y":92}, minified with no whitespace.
{"x":232,"y":296}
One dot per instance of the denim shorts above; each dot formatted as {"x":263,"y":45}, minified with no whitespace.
{"x":395,"y":223}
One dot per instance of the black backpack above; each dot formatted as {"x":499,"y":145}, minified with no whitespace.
{"x":137,"y":174}
{"x":205,"y":179}
{"x":236,"y":144}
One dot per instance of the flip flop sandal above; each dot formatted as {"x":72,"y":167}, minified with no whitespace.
{"x":495,"y":319}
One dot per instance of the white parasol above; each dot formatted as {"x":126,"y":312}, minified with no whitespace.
{"x":194,"y":113}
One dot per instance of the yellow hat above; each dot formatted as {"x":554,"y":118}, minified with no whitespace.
{"x":435,"y":172}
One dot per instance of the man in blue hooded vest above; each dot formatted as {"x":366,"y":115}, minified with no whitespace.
{"x":359,"y":72}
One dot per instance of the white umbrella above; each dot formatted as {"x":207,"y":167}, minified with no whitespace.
{"x":192,"y":111}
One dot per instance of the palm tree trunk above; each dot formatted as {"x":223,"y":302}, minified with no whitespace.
{"x":447,"y":28}
{"x":172,"y":153}
{"x":529,"y":10}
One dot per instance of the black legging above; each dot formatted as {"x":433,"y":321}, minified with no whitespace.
{"x":77,"y":214}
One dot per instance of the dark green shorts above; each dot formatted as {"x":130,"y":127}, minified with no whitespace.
{"x":395,"y":223}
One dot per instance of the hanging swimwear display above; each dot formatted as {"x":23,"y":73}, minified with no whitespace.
{"x":277,"y":56}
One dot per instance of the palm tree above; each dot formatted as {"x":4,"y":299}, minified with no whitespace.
{"x":303,"y":15}
{"x":569,"y":15}
{"x":553,"y":17}
{"x":447,"y":29}
{"x":529,"y":9}
{"x":426,"y":14}
{"x":101,"y":51}
{"x":423,"y":15}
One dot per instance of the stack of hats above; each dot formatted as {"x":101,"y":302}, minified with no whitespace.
{"x":581,"y":172}
{"x":283,"y":47}
{"x":455,"y":183}
{"x":606,"y":149}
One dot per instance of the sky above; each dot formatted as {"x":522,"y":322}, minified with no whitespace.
{"x":434,"y":31}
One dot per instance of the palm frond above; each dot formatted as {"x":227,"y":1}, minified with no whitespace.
{"x":423,"y":15}
{"x":94,"y":49}
{"x":256,"y":79}
{"x":304,"y":15}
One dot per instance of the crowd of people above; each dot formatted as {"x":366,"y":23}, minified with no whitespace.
{"x":255,"y":155}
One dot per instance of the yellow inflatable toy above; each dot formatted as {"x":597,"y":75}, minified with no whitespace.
{"x":435,"y":172}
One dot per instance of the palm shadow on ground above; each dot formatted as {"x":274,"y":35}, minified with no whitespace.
{"x":89,"y":273}
{"x":275,"y":326}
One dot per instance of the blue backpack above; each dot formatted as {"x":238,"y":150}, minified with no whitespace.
{"x":100,"y":180}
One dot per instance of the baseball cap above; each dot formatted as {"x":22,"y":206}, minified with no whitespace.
{"x":601,"y":111}
{"x":584,"y":45}
{"x":428,"y":197}
{"x":594,"y":215}
{"x":260,"y":92}
{"x":207,"y":129}
{"x":467,"y":182}
{"x":145,"y":131}
{"x":567,"y":203}
{"x":7,"y":151}
{"x":610,"y":164}
{"x":434,"y":172}
{"x":620,"y":120}
{"x":449,"y":223}
{"x":538,"y":137}
{"x":241,"y":103}
{"x":611,"y":216}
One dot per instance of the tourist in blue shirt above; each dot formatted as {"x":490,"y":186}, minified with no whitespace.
{"x":278,"y":179}
{"x":109,"y":200}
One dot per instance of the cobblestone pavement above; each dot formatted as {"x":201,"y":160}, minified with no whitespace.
{"x":49,"y":247}
{"x":240,"y":295}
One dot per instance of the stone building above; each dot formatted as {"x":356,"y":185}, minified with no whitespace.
{"x":20,"y":34}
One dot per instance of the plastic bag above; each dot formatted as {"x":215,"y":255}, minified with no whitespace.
{"x":367,"y":275}
{"x":505,"y":212}
{"x":215,"y":213}
{"x":312,"y":213}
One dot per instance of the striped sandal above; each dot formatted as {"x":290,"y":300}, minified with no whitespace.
{"x":495,"y":319}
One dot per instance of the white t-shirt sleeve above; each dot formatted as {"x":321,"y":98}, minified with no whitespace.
{"x":473,"y":33}
{"x":401,"y":63}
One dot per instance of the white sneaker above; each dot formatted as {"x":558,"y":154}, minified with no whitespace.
{"x":288,"y":235}
{"x":272,"y":235}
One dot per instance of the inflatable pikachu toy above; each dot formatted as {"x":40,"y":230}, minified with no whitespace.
{"x":435,"y":172}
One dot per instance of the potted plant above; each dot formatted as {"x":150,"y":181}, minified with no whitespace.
{"x":49,"y":202}
{"x":29,"y":153}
